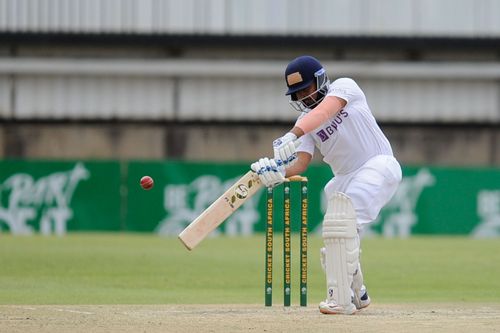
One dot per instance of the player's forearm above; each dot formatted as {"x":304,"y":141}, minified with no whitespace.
{"x":301,"y":166}
{"x":327,"y":109}
{"x":297,"y":131}
{"x":293,"y":171}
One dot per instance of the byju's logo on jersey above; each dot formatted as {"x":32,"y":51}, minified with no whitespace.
{"x":325,"y":133}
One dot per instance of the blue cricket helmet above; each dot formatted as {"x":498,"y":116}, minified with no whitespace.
{"x":300,"y":73}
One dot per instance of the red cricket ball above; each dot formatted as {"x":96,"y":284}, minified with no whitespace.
{"x":147,"y":182}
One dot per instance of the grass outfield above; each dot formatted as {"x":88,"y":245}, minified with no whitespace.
{"x":146,"y":269}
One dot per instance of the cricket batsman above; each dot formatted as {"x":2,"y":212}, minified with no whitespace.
{"x":335,"y":118}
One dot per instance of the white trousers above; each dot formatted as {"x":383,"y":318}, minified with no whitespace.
{"x":370,"y":187}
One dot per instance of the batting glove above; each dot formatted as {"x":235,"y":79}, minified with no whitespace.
{"x":284,"y":150}
{"x":269,"y":172}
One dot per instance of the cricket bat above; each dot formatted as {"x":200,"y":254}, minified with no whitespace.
{"x":220,"y":210}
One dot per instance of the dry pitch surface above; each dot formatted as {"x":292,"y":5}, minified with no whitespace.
{"x":431,"y":317}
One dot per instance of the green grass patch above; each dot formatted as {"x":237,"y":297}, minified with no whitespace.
{"x":147,"y":269}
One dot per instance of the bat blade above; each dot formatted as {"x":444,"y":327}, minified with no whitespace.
{"x":220,"y":210}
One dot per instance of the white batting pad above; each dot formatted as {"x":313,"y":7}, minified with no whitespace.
{"x":342,"y":248}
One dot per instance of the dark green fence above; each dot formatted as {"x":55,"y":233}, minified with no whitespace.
{"x":53,"y":197}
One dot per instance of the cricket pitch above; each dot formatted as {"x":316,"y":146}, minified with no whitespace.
{"x":415,"y":317}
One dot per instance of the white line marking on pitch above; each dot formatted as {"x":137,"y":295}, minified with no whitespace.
{"x":74,"y":311}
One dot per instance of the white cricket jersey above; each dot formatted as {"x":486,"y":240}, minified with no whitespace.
{"x":352,"y":137}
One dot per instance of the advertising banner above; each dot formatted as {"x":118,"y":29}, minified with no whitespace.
{"x":54,"y":197}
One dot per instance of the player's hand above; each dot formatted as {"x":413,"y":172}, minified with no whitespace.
{"x":284,"y":150}
{"x":269,"y":172}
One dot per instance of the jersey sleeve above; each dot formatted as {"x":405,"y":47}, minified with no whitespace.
{"x":345,"y":88}
{"x":306,"y":144}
